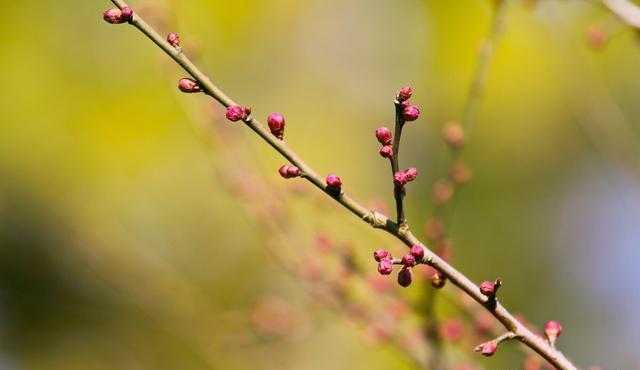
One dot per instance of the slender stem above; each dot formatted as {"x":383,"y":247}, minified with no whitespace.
{"x":398,"y":190}
{"x":378,"y":220}
{"x":627,"y":11}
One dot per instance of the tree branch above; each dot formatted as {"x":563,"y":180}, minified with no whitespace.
{"x":627,"y":11}
{"x":378,"y":220}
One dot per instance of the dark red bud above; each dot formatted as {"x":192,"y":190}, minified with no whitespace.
{"x":386,"y":151}
{"x":411,"y":113}
{"x":384,"y":136}
{"x":404,"y":93}
{"x":405,"y":277}
{"x":400,"y":178}
{"x":381,"y":254}
{"x":276,"y":125}
{"x":417,"y":251}
{"x":284,"y":171}
{"x":408,"y":260}
{"x":189,"y":85}
{"x":334,"y":183}
{"x":173,"y":39}
{"x":411,"y":174}
{"x":236,"y":113}
{"x":385,"y":266}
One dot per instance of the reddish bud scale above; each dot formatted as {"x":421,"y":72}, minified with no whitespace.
{"x":405,"y":277}
{"x":487,"y":288}
{"x":405,"y":93}
{"x":417,"y":252}
{"x":113,"y":16}
{"x":276,"y":125}
{"x":411,"y":174}
{"x":127,"y":14}
{"x":408,"y":260}
{"x":189,"y":86}
{"x":173,"y":39}
{"x":385,"y":266}
{"x":386,"y":151}
{"x":289,"y":171}
{"x":334,"y":183}
{"x":381,"y":254}
{"x":410,"y":113}
{"x":384,"y":136}
{"x":399,"y":178}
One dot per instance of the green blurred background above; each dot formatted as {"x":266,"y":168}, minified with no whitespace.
{"x":125,"y":245}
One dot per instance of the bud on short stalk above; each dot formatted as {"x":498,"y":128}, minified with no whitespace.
{"x":381,"y":254}
{"x":334,"y":183}
{"x":384,"y":136}
{"x":189,"y":86}
{"x":417,"y":252}
{"x":410,"y":113}
{"x":276,"y":125}
{"x":386,"y":151}
{"x":405,"y":277}
{"x":237,"y":113}
{"x":385,"y":266}
{"x":552,"y":330}
{"x":488,"y":348}
{"x":404,"y":94}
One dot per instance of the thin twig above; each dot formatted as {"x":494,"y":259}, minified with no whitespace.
{"x":378,"y":220}
{"x":627,"y":11}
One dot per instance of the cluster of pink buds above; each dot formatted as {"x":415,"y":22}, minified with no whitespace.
{"x":401,"y":178}
{"x":117,"y":16}
{"x":386,"y":262}
{"x":237,"y":113}
{"x":276,"y":125}
{"x":385,"y":138}
{"x":289,"y":172}
{"x":409,"y":112}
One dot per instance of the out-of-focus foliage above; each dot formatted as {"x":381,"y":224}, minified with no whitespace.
{"x":125,"y":243}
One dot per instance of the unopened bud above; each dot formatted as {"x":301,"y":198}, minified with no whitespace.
{"x":113,"y":16}
{"x":386,"y":151}
{"x":410,"y":113}
{"x":404,"y":93}
{"x":552,"y":330}
{"x":384,"y":136}
{"x":417,"y":252}
{"x":276,"y":125}
{"x":189,"y":85}
{"x":488,"y":348}
{"x":487,"y":288}
{"x":126,"y":14}
{"x":411,"y":174}
{"x":380,"y":254}
{"x":385,"y":266}
{"x":334,"y":183}
{"x":399,"y":178}
{"x":438,"y":281}
{"x":289,"y":171}
{"x":173,"y":39}
{"x":405,"y":277}
{"x":408,"y":260}
{"x":237,"y":113}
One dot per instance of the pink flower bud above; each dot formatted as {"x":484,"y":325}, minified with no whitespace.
{"x":400,"y":178}
{"x":276,"y":125}
{"x":385,"y":266}
{"x":408,"y":260}
{"x":334,"y":183}
{"x":236,"y":113}
{"x":380,"y":254}
{"x":189,"y":85}
{"x":294,"y":171}
{"x":405,"y":93}
{"x":438,"y":281}
{"x":126,"y":14}
{"x":173,"y":39}
{"x":487,"y":348}
{"x":411,"y":113}
{"x":284,"y":171}
{"x":417,"y":252}
{"x":487,"y":288}
{"x":113,"y":16}
{"x":405,"y":277}
{"x":411,"y":174}
{"x":386,"y":151}
{"x":384,"y":136}
{"x":552,"y":330}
